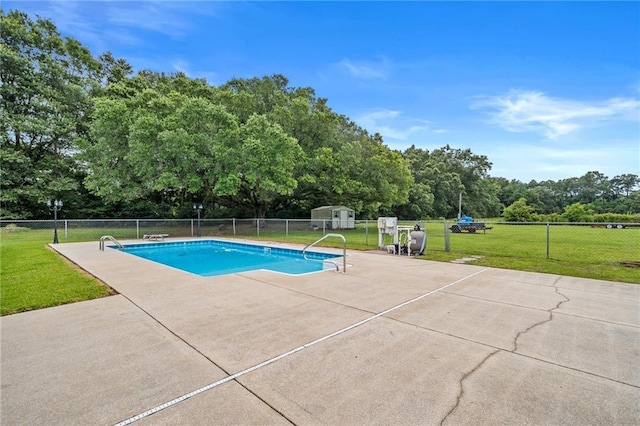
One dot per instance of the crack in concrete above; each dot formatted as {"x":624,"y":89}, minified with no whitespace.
{"x":461,"y":383}
{"x":550,"y":311}
{"x":461,"y":393}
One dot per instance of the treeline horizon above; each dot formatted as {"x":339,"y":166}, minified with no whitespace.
{"x":112,"y":143}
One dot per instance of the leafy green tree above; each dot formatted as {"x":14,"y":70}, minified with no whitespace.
{"x":509,"y":191}
{"x":420,"y":204}
{"x":632,"y":203}
{"x":47,"y":81}
{"x":156,"y":145}
{"x":623,"y":185}
{"x":342,"y":163}
{"x":258,"y":164}
{"x":519,"y":211}
{"x":114,"y":69}
{"x":448,"y":172}
{"x":487,"y":203}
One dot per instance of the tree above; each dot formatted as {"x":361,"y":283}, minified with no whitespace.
{"x":420,"y":204}
{"x":623,"y":185}
{"x":113,"y":70}
{"x":149,"y":144}
{"x":47,"y":81}
{"x":592,"y":187}
{"x":486,"y":199}
{"x":519,"y":211}
{"x":448,"y":172}
{"x":258,"y":164}
{"x":342,"y":163}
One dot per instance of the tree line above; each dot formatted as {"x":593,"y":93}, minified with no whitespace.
{"x":114,"y":143}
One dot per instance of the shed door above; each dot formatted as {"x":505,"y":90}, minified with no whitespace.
{"x":344,"y":219}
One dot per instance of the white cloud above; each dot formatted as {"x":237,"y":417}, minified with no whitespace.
{"x":100,"y":24}
{"x":185,"y":67}
{"x":531,"y":111}
{"x":70,"y":18}
{"x":380,"y":114}
{"x":366,"y":70}
{"x":162,"y":17}
{"x":391,"y":123}
{"x":536,"y":161}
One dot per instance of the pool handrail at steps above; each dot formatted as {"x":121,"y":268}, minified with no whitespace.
{"x":344,"y":252}
{"x":113,"y":240}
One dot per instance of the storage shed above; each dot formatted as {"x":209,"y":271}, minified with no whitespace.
{"x":334,"y":217}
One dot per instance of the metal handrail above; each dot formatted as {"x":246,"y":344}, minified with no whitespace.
{"x":344,"y":252}
{"x":110,"y":238}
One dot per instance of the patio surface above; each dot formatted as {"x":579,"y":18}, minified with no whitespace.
{"x":394,"y":341}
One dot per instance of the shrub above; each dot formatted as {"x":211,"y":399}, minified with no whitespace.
{"x":578,"y":212}
{"x":616,"y":218}
{"x":520,"y":211}
{"x":552,"y":217}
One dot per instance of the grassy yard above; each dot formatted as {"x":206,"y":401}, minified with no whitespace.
{"x":32,"y":276}
{"x":579,"y":251}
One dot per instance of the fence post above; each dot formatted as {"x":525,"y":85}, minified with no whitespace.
{"x":548,"y":242}
{"x":366,"y":232}
{"x":286,"y":227}
{"x":65,"y":230}
{"x":191,"y":227}
{"x":324,"y":225}
{"x":447,"y":242}
{"x":258,"y":226}
{"x":137,"y":229}
{"x":234,"y":226}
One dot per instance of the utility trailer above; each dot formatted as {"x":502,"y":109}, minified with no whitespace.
{"x":466,"y":223}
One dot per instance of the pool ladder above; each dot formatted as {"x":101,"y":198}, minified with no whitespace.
{"x":344,"y":252}
{"x":113,"y":240}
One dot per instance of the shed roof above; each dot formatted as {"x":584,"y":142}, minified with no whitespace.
{"x":331,"y":208}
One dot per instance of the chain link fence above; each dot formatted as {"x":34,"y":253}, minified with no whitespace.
{"x":604,"y":244}
{"x":362,"y":235}
{"x":567,"y":242}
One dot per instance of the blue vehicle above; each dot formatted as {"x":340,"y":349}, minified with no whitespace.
{"x":466,"y":223}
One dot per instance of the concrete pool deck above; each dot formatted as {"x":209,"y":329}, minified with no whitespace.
{"x":393,"y":341}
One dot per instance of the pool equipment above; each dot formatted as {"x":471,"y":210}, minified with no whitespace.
{"x":418,"y":241}
{"x":409,"y":240}
{"x":387,"y":226}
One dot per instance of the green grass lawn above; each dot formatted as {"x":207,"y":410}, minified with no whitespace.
{"x":579,"y":251}
{"x":32,"y":276}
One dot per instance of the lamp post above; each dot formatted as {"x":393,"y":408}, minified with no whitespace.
{"x":198,"y":208}
{"x":55,"y":205}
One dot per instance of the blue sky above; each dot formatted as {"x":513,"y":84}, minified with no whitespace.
{"x":546,"y":90}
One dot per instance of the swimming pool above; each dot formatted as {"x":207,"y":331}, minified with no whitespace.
{"x":209,"y":258}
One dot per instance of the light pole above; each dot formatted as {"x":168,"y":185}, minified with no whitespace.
{"x":198,"y":208}
{"x":55,"y":206}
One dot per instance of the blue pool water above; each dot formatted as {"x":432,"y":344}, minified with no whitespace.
{"x":212,"y":257}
